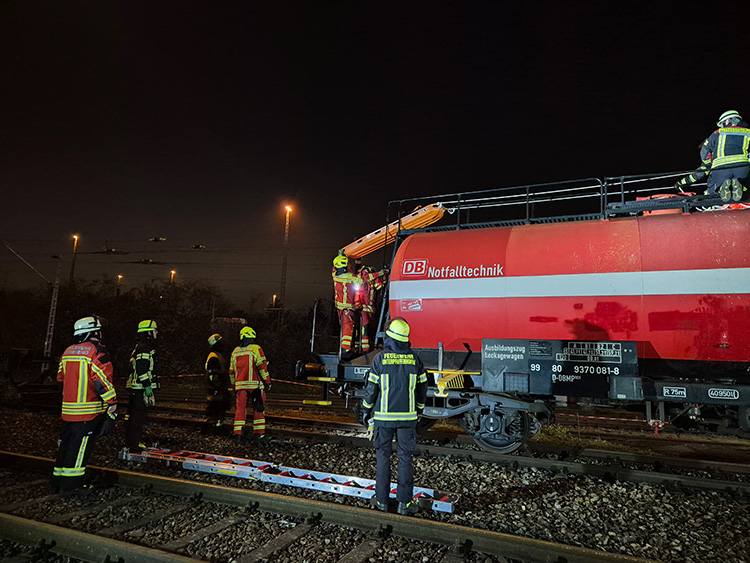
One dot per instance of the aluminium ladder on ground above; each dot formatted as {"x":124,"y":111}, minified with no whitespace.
{"x":281,"y":475}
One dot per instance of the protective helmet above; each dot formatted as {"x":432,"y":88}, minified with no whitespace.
{"x":145,"y":326}
{"x":729,"y":114}
{"x":247,"y":332}
{"x":398,"y":329}
{"x":214,"y":339}
{"x":341,"y":261}
{"x":86,"y":325}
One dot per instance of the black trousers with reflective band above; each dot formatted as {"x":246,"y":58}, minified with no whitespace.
{"x":76,"y":444}
{"x":135,"y":420}
{"x":406,"y":443}
{"x":717,"y":177}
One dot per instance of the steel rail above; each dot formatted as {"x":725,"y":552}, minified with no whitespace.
{"x":80,"y":545}
{"x":483,"y":541}
{"x":608,"y":472}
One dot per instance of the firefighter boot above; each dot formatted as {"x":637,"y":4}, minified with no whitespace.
{"x":382,"y":507}
{"x":737,"y":189}
{"x":408,"y":508}
{"x":725,"y":191}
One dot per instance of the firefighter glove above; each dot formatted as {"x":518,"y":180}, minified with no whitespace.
{"x":371,"y":429}
{"x":367,"y":417}
{"x":107,"y":424}
{"x":148,"y":397}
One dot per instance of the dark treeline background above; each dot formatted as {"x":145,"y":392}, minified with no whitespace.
{"x":186,"y":314}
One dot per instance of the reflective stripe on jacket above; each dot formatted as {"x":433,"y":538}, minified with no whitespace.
{"x":345,"y":288}
{"x":396,"y":388}
{"x":371,"y":282}
{"x":142,"y":364}
{"x":86,"y":374}
{"x":248,"y":367}
{"x":727,"y":147}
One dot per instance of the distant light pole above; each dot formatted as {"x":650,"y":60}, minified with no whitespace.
{"x":171,"y":275}
{"x":282,"y":293}
{"x":119,"y":284}
{"x":73,"y":263}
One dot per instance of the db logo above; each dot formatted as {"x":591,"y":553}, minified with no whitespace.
{"x":414,"y":267}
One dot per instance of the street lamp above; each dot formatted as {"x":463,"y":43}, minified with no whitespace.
{"x":73,"y":263}
{"x":282,"y":293}
{"x":171,"y":276}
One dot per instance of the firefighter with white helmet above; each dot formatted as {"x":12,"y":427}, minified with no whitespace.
{"x":725,"y":153}
{"x":394,"y":399}
{"x":217,"y":383}
{"x":248,"y":373}
{"x":142,"y":382}
{"x":89,"y":403}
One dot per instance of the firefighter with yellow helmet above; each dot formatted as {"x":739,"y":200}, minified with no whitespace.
{"x":345,"y":287}
{"x":142,"y":382}
{"x":394,"y":399}
{"x":218,"y":396}
{"x":248,"y":373}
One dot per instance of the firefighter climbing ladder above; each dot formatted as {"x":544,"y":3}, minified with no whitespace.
{"x":281,"y":475}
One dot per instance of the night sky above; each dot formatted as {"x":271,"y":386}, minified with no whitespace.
{"x":198,"y":121}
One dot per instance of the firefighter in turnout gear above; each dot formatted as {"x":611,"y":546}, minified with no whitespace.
{"x":394,"y":399}
{"x":345,"y":286}
{"x":725,"y":154}
{"x":142,"y":383}
{"x":217,"y":384}
{"x":248,"y":373}
{"x":89,"y":403}
{"x":372,"y":281}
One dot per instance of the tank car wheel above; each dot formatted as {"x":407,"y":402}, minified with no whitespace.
{"x":517,"y":433}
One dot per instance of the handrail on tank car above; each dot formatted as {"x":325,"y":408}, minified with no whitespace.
{"x":639,"y":179}
{"x":461,"y":203}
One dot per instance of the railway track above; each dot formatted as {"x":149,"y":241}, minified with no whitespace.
{"x":612,"y":465}
{"x":149,"y":518}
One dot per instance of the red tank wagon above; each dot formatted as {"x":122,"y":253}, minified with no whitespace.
{"x":677,"y":285}
{"x":641,"y":301}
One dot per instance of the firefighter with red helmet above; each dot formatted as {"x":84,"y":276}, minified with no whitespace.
{"x":345,"y":286}
{"x":372,"y":281}
{"x":248,"y":373}
{"x":725,"y":153}
{"x":141,"y":383}
{"x":89,"y":403}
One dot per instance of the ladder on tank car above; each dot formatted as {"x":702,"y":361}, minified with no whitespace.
{"x":289,"y":476}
